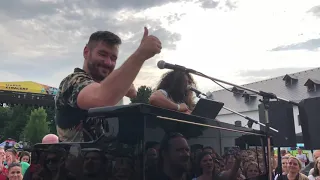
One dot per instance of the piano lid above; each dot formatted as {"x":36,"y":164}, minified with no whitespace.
{"x":166,"y":115}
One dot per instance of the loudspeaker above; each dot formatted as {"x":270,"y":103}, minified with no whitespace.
{"x":309,"y":116}
{"x":280,"y":118}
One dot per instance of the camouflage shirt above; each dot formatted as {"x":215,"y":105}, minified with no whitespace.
{"x":72,"y":122}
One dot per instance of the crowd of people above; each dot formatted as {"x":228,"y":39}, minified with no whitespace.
{"x":202,"y":163}
{"x":294,"y":167}
{"x":14,"y":164}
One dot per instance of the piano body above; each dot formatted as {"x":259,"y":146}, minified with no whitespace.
{"x":133,"y":134}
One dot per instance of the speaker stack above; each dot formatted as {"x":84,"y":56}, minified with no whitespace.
{"x":309,"y":113}
{"x":281,"y":118}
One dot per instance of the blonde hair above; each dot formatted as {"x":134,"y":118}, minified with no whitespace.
{"x":299,"y":162}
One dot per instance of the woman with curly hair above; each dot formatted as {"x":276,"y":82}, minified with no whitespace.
{"x":173,"y":93}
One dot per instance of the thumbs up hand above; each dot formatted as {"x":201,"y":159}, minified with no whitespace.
{"x":149,"y":46}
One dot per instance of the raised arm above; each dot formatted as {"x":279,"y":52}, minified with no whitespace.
{"x":115,"y":86}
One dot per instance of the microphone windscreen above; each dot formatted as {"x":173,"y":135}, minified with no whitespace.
{"x":161,"y":64}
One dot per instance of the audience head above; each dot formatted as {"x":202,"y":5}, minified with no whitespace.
{"x":205,"y":163}
{"x":252,"y":170}
{"x":11,"y":156}
{"x":50,"y":139}
{"x":284,"y":162}
{"x":316,"y":167}
{"x":15,"y":171}
{"x":174,"y":152}
{"x":2,"y":154}
{"x":294,"y":165}
{"x":316,"y":154}
{"x":24,"y":157}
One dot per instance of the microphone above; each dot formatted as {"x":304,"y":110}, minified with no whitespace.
{"x":196,"y":90}
{"x":163,"y":65}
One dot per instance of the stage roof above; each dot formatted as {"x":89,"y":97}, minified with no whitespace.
{"x":28,"y":87}
{"x":28,"y":93}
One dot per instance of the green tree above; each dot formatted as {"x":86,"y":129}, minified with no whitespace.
{"x":18,"y":118}
{"x":37,"y":126}
{"x":50,"y":119}
{"x":5,"y":117}
{"x":143,"y":95}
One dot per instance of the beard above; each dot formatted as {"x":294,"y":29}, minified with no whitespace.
{"x":94,"y":67}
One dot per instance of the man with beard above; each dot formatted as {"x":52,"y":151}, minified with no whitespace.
{"x":97,"y":85}
{"x":174,"y":157}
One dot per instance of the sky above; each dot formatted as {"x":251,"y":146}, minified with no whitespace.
{"x":240,"y":41}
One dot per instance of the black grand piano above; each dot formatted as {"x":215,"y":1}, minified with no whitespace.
{"x":129,"y":148}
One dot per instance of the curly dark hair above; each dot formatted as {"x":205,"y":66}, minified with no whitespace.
{"x":175,"y":83}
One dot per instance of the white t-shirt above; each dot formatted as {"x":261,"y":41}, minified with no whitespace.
{"x":302,"y":157}
{"x":310,"y":177}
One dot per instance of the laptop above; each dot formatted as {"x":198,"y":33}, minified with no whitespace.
{"x":207,"y":108}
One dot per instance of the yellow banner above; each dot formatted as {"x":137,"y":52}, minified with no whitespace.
{"x":28,"y":86}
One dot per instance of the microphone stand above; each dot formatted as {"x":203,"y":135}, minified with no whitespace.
{"x":266,"y":97}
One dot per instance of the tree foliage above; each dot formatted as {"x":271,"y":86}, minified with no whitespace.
{"x":143,"y":95}
{"x":51,"y":119}
{"x":14,"y":118}
{"x":37,"y":126}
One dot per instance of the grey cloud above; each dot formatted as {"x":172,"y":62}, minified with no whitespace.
{"x":310,"y":45}
{"x":174,"y":17}
{"x":209,"y":3}
{"x":268,"y":73}
{"x":226,"y":5}
{"x":231,"y":4}
{"x":315,"y":11}
{"x":24,"y":9}
{"x":138,"y":4}
{"x":45,"y":40}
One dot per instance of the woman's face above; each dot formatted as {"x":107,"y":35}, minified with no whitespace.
{"x":207,"y":163}
{"x":293,"y":165}
{"x":2,"y":155}
{"x":230,"y":162}
{"x":318,"y":163}
{"x":252,"y":171}
{"x":244,"y":154}
{"x":25,"y":159}
{"x":284,"y":165}
{"x":15,"y":173}
{"x":9,"y":157}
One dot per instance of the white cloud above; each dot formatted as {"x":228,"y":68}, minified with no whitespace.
{"x":6,"y":76}
{"x":219,"y":42}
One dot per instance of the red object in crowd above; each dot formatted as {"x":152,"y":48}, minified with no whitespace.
{"x":3,"y":174}
{"x":3,"y":177}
